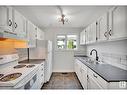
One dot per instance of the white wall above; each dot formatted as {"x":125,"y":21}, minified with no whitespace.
{"x":114,"y":51}
{"x":62,"y":60}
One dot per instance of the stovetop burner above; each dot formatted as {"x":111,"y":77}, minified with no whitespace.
{"x":1,"y":75}
{"x":19,"y":66}
{"x":10,"y":77}
{"x":30,"y":66}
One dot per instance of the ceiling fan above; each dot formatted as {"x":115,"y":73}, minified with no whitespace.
{"x":62,"y":19}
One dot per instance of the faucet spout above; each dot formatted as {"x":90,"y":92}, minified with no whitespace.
{"x":96,"y":54}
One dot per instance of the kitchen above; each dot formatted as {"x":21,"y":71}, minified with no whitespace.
{"x":63,"y":47}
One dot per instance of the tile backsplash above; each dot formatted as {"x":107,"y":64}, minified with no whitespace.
{"x":117,"y":60}
{"x":22,"y":54}
{"x":114,"y":52}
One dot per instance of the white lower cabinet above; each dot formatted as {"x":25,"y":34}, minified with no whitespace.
{"x":81,"y":72}
{"x":78,"y":69}
{"x":91,"y":80}
{"x":84,"y":76}
{"x":92,"y":84}
{"x":95,"y":81}
{"x":41,"y":75}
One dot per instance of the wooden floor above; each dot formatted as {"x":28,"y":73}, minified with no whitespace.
{"x":63,"y":81}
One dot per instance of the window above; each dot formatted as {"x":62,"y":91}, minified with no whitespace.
{"x":61,"y":42}
{"x":68,"y":42}
{"x":71,"y":42}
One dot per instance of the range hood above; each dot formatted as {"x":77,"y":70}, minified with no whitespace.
{"x":6,"y":43}
{"x":6,"y":33}
{"x":10,"y":39}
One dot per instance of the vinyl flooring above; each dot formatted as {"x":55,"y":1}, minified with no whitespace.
{"x":63,"y":81}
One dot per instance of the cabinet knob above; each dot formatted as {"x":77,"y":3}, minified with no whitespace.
{"x":16,"y":25}
{"x":95,"y":76}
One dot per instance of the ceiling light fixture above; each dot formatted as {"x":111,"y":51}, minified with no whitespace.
{"x":63,"y":19}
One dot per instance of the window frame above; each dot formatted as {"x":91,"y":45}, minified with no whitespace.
{"x":66,"y":48}
{"x":56,"y":41}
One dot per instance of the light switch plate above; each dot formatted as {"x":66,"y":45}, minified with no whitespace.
{"x":122,"y":84}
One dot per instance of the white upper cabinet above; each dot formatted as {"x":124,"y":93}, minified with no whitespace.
{"x":31,"y":34}
{"x":118,"y":22}
{"x":12,"y":23}
{"x":92,"y":33}
{"x":19,"y":24}
{"x":40,"y":34}
{"x":6,"y":21}
{"x":102,"y":28}
{"x":82,"y":37}
{"x":88,"y":35}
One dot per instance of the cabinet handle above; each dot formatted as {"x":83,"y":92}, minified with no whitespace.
{"x":10,"y":22}
{"x":110,"y":32}
{"x":94,"y":75}
{"x":16,"y":25}
{"x":105,"y":34}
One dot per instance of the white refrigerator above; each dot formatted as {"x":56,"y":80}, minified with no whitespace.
{"x":43,"y":50}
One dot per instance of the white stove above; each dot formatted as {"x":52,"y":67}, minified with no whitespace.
{"x":16,"y":76}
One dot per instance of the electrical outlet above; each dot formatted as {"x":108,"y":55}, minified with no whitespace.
{"x":122,"y":84}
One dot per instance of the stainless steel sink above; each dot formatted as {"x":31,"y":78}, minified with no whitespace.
{"x":92,"y":61}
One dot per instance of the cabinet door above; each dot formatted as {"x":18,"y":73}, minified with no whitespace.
{"x":81,"y":38}
{"x":92,"y":84}
{"x":78,"y":69}
{"x":88,"y":37}
{"x":6,"y":18}
{"x":40,"y":34}
{"x":84,"y":37}
{"x":119,"y":23}
{"x":84,"y":76}
{"x":19,"y":24}
{"x":31,"y":34}
{"x":75,"y":67}
{"x":102,"y":25}
{"x":92,"y":33}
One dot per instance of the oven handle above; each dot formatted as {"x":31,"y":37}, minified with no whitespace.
{"x":23,"y":84}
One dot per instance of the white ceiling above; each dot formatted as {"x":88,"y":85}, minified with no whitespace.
{"x":47,"y":16}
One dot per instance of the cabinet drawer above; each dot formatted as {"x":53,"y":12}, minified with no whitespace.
{"x":97,"y":78}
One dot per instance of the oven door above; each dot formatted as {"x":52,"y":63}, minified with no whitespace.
{"x":31,"y":83}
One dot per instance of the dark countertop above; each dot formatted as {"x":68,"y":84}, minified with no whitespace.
{"x":32,"y":61}
{"x":106,"y":71}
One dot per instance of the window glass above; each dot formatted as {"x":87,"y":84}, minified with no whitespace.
{"x":71,"y":42}
{"x":61,"y":41}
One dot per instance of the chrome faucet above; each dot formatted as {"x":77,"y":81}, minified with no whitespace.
{"x":96,"y":54}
